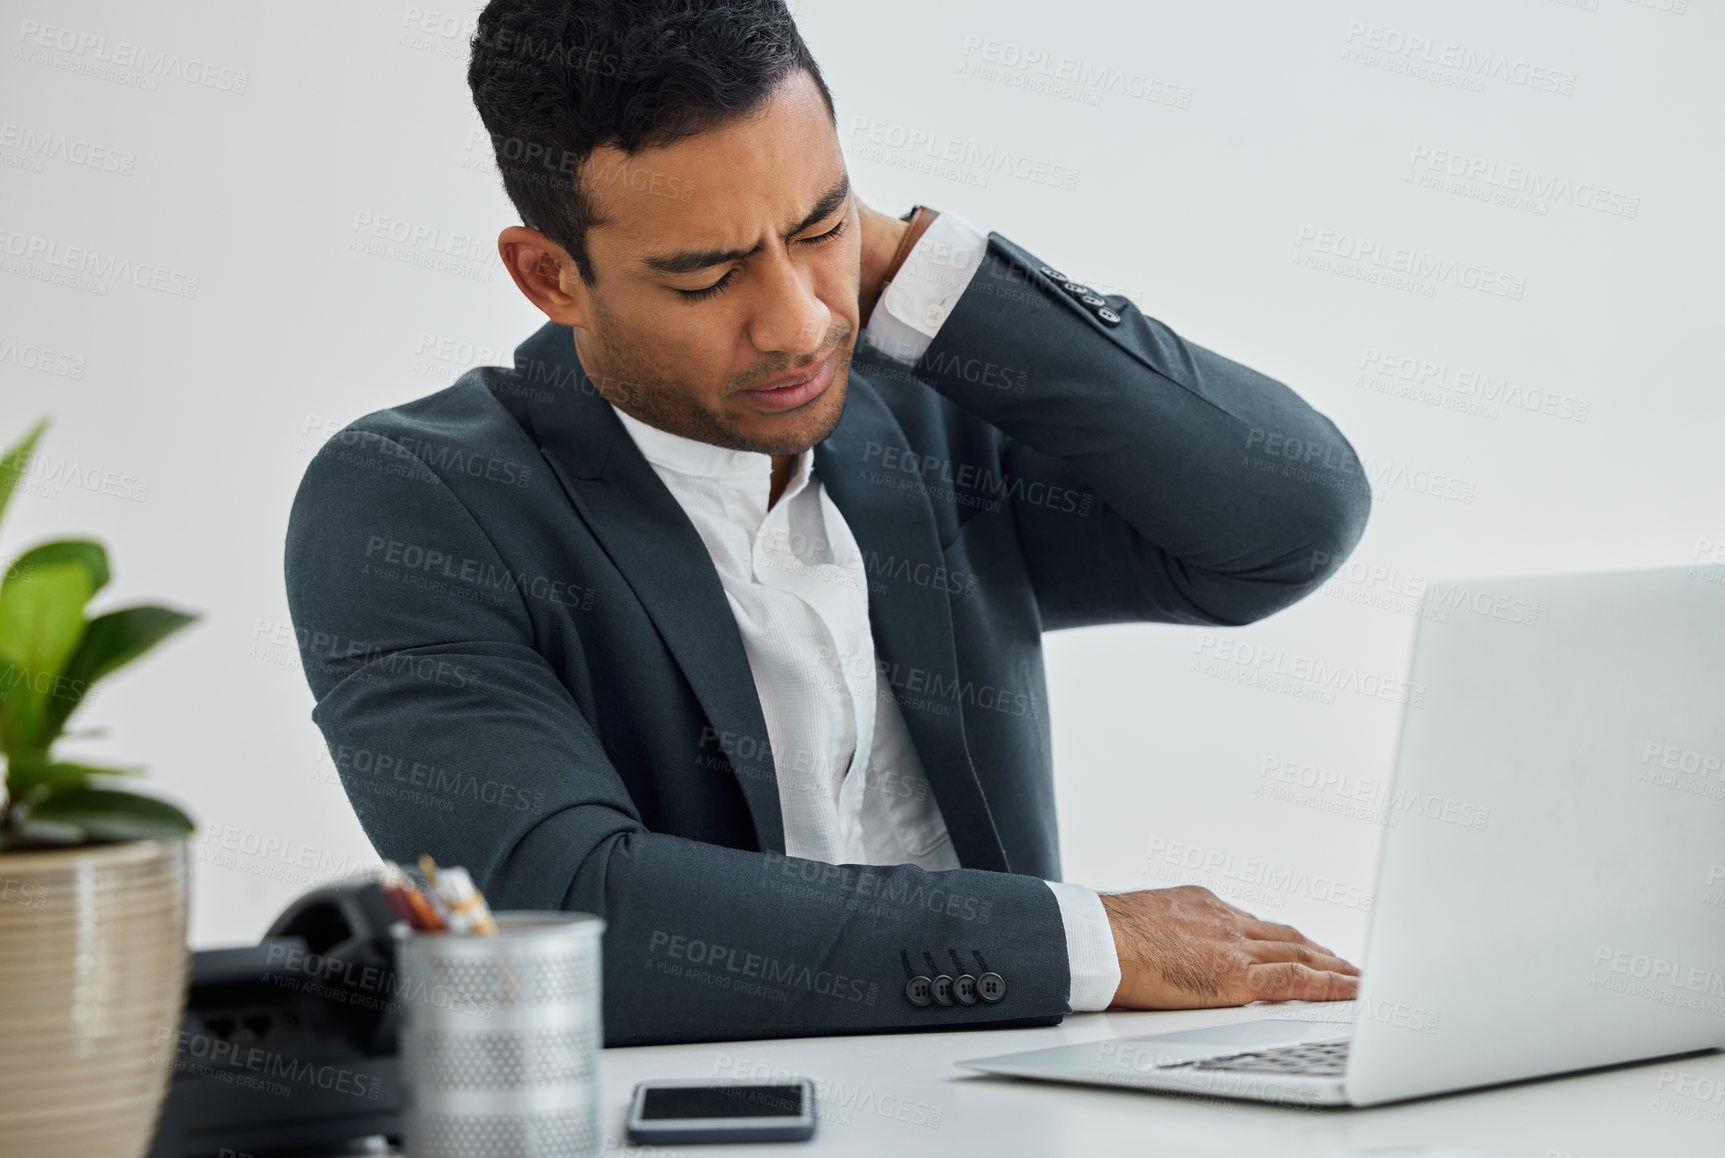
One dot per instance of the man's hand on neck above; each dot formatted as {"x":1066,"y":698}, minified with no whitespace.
{"x":881,"y":237}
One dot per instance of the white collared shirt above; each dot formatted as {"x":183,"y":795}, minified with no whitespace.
{"x":851,"y":785}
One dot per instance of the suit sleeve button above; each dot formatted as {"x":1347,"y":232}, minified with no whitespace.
{"x":943,"y":989}
{"x":964,"y":989}
{"x":991,"y":987}
{"x":918,"y":991}
{"x":1108,"y":316}
{"x":1050,"y":271}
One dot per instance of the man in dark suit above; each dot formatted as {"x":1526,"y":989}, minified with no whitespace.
{"x":719,"y":613}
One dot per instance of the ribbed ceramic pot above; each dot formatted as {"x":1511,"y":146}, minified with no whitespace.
{"x":93,"y":966}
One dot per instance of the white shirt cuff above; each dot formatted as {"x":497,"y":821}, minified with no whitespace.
{"x":929,"y":283}
{"x":1090,"y":952}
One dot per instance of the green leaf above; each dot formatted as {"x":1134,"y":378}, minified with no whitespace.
{"x":40,"y":833}
{"x":55,"y":775}
{"x":16,"y":462}
{"x":24,"y":769}
{"x":41,"y":625}
{"x":110,"y":641}
{"x":103,"y":815}
{"x":91,"y":555}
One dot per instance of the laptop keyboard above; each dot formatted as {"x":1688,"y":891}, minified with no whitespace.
{"x":1324,"y":1059}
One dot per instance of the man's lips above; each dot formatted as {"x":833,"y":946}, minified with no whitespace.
{"x":793,"y":377}
{"x":791,"y":390}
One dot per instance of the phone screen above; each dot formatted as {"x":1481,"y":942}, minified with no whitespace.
{"x":742,"y":1101}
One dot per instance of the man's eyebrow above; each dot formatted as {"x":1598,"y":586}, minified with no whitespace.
{"x":692,"y":260}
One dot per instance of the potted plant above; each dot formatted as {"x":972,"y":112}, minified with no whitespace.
{"x":93,"y":879}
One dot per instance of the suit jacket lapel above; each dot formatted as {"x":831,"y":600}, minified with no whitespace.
{"x":652,"y":542}
{"x":912,"y":622}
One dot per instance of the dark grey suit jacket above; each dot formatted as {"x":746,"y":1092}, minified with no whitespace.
{"x":524,"y":661}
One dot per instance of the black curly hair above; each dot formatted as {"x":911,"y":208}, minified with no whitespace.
{"x":554,"y":79}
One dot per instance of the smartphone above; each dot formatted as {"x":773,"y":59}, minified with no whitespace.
{"x":703,"y":1110}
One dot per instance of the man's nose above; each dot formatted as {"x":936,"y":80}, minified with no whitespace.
{"x":791,"y":315}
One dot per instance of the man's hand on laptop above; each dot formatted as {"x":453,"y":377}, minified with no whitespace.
{"x":1186,"y":948}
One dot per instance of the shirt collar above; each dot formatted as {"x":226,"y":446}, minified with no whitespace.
{"x":692,"y":457}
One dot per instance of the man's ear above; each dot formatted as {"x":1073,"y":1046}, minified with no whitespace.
{"x":545,"y":274}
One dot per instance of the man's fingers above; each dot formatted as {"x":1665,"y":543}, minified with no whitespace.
{"x":1270,"y":931}
{"x":1292,"y":981}
{"x":1266,"y":951}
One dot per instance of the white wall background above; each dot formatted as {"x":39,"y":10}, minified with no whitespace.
{"x":1217,"y":146}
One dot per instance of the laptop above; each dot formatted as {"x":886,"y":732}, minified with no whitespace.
{"x":1582,"y":924}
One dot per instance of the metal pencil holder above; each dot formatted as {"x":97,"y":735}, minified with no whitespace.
{"x":501,"y":1037}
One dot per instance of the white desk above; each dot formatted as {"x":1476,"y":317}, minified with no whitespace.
{"x":899,"y":1096}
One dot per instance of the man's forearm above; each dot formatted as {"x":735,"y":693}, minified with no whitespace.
{"x":1240,"y":496}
